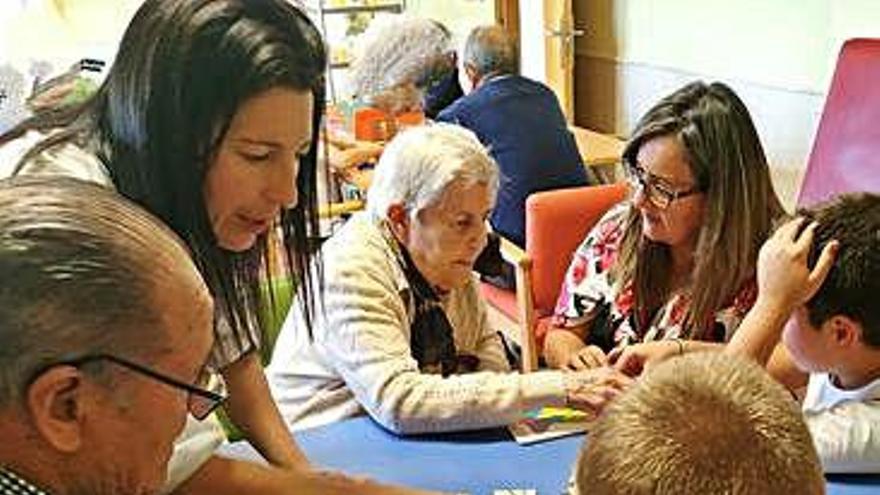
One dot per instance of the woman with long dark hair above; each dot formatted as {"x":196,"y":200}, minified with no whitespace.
{"x":209,"y":119}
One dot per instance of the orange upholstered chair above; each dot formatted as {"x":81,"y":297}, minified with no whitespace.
{"x":556,"y":222}
{"x":372,"y":124}
{"x":846,"y":151}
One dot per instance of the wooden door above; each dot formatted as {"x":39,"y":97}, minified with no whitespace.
{"x":559,"y":36}
{"x":507,"y":16}
{"x":545,"y":34}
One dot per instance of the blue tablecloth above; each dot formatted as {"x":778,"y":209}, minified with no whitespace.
{"x":477,"y":462}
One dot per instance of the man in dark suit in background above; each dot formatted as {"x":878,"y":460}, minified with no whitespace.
{"x":521,"y":123}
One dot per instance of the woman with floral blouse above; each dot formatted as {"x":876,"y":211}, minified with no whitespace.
{"x":674,"y":266}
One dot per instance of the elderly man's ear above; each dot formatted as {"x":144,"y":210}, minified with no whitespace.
{"x":468,"y":78}
{"x":398,"y":220}
{"x":57,"y":404}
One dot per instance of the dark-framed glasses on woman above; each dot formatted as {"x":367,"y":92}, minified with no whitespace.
{"x":656,"y":192}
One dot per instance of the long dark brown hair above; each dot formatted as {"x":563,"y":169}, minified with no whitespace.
{"x":728,"y":162}
{"x":183,"y":70}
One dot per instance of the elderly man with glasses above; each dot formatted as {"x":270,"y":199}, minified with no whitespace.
{"x":105,"y":327}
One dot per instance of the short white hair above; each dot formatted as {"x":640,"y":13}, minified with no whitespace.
{"x":398,"y":52}
{"x":420,"y":163}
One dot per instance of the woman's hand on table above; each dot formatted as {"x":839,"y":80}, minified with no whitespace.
{"x":633,"y":359}
{"x":587,"y":358}
{"x":561,"y":345}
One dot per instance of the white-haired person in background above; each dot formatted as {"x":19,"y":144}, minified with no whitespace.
{"x":403,"y":66}
{"x":406,"y":65}
{"x":403,"y":334}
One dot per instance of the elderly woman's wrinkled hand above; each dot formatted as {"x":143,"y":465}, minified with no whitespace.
{"x":592,"y":390}
{"x":784,"y":278}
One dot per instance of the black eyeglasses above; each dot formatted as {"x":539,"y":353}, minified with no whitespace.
{"x":655,"y":191}
{"x":208,"y":393}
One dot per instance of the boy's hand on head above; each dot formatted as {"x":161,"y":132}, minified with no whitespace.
{"x":784,"y":279}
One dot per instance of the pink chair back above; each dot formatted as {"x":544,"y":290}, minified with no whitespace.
{"x":846,"y":151}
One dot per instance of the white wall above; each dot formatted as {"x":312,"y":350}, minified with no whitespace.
{"x":62,"y":31}
{"x":460,"y":16}
{"x":779,"y":55}
{"x":532,"y":57}
{"x":43,"y":38}
{"x":791,"y":44}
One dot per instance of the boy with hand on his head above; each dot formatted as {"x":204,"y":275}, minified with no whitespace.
{"x":818,"y":280}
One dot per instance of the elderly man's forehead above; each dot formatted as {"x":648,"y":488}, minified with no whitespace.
{"x":187,"y":310}
{"x":56,"y":218}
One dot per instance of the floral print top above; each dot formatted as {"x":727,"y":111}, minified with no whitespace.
{"x":588,"y":295}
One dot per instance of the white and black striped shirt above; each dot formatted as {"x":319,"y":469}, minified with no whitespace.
{"x":12,"y":484}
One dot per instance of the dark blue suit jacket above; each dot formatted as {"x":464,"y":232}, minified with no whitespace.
{"x":521,"y":123}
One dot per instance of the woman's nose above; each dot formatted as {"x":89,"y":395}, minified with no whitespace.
{"x":282,"y":185}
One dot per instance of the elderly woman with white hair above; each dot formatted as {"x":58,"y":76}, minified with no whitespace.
{"x":403,"y":334}
{"x":405,"y":66}
{"x":408,"y":64}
